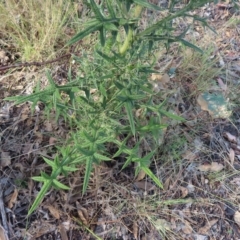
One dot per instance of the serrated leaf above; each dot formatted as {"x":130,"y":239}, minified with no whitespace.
{"x":136,"y":97}
{"x":84,"y":33}
{"x":152,"y":176}
{"x":45,"y":176}
{"x":50,"y":79}
{"x":78,"y":160}
{"x":69,"y":169}
{"x":102,"y":36}
{"x":59,"y":185}
{"x":110,"y":8}
{"x":50,"y":163}
{"x":47,"y":184}
{"x":110,"y":26}
{"x":128,"y":106}
{"x":129,"y":160}
{"x":103,"y":90}
{"x":88,"y":170}
{"x":88,"y":137}
{"x":96,"y":10}
{"x":103,"y":140}
{"x":119,"y":85}
{"x":106,"y":57}
{"x":188,"y":44}
{"x":38,"y":178}
{"x":101,"y":157}
{"x":147,"y":5}
{"x":170,"y":115}
{"x":31,"y":98}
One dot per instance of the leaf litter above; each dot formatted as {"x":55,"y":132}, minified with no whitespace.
{"x":194,"y":166}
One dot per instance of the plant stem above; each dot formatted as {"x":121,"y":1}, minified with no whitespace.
{"x":128,"y":40}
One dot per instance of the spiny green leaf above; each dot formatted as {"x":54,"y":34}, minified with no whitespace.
{"x":88,"y":137}
{"x":103,"y":140}
{"x":88,"y":170}
{"x":47,"y":184}
{"x":144,"y":161}
{"x":152,"y":176}
{"x":46,"y":176}
{"x":101,"y":157}
{"x":110,"y":8}
{"x":127,"y":162}
{"x":151,"y":127}
{"x":50,"y":79}
{"x":102,"y":36}
{"x":84,"y":33}
{"x":84,"y":151}
{"x":170,"y":115}
{"x":96,"y":10}
{"x":69,"y":169}
{"x":136,"y":97}
{"x":110,"y":26}
{"x":39,"y":179}
{"x":106,"y":57}
{"x":79,"y":160}
{"x":50,"y":163}
{"x":59,"y":185}
{"x":128,"y":106}
{"x":147,"y":5}
{"x":188,"y":44}
{"x":45,"y":94}
{"x":102,"y":90}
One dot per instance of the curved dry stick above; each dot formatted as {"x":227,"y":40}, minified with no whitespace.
{"x":3,"y":213}
{"x":3,"y":68}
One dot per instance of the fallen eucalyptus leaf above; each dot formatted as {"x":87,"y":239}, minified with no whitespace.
{"x":213,"y":167}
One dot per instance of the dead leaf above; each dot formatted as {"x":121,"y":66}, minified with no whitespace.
{"x":82,"y":213}
{"x":184,"y":191}
{"x":213,"y":167}
{"x":141,"y":175}
{"x":3,"y":235}
{"x":54,"y":212}
{"x":188,"y":155}
{"x":48,"y":126}
{"x":28,"y":148}
{"x":135,"y":230}
{"x":159,"y":81}
{"x":222,"y":84}
{"x":236,"y":218}
{"x":187,"y":229}
{"x":167,"y":183}
{"x":144,"y":185}
{"x":205,"y":229}
{"x":52,"y":140}
{"x":236,"y":181}
{"x":203,"y":103}
{"x":230,"y":137}
{"x":13,"y":198}
{"x":63,"y":232}
{"x":5,"y":159}
{"x":231,"y":156}
{"x":162,"y":225}
{"x":39,"y":228}
{"x":139,"y":112}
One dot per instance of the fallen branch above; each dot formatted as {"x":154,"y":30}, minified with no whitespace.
{"x":3,"y":213}
{"x":27,"y":64}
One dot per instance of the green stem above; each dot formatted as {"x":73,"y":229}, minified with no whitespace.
{"x":128,"y":40}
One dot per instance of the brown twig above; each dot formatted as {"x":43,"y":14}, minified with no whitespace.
{"x":3,"y":213}
{"x":27,"y":64}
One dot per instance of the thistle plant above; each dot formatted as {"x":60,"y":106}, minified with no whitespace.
{"x":122,"y":60}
